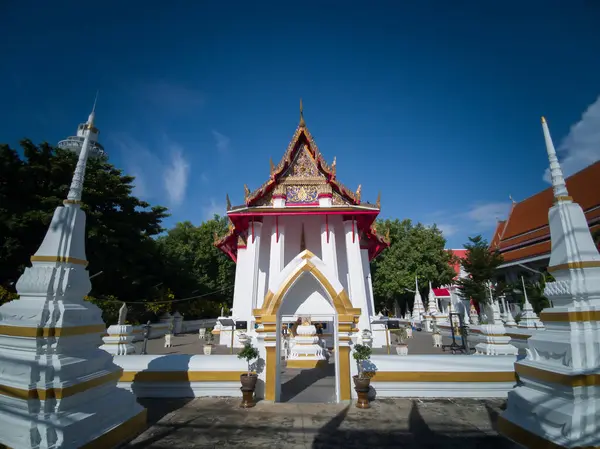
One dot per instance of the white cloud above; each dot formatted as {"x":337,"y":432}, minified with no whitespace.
{"x":222,"y":141}
{"x":147,"y":166}
{"x":175,"y":176}
{"x":447,"y":229}
{"x":581,"y":147}
{"x":213,"y":208}
{"x":484,"y":216}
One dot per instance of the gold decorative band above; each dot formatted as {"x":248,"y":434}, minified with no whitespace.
{"x":563,"y":198}
{"x":181,"y":376}
{"x":120,"y":434}
{"x":38,"y":332}
{"x":58,"y":393}
{"x":571,"y":317}
{"x":443,"y":376}
{"x":72,"y":202}
{"x":72,"y":260}
{"x":575,"y":265}
{"x":570,"y":380}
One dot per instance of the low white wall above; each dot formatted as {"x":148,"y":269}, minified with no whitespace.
{"x":180,"y":375}
{"x":441,"y":376}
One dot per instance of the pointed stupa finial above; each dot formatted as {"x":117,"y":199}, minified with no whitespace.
{"x":416,"y":284}
{"x":92,"y":115}
{"x":524,"y":290}
{"x":558,"y":181}
{"x":302,"y":123}
{"x":228,"y":201}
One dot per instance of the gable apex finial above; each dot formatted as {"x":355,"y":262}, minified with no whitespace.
{"x":302,"y":123}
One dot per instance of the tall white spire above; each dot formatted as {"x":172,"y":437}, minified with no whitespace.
{"x":558,"y":181}
{"x":76,"y":188}
{"x":418,"y":308}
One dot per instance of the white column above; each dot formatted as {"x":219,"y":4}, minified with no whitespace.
{"x":356,"y":276}
{"x":277,"y":260}
{"x":328,"y":249}
{"x":364,"y":255}
{"x":253,"y":249}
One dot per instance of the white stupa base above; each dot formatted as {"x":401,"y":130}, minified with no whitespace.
{"x":496,"y":341}
{"x":306,"y":351}
{"x":119,"y":340}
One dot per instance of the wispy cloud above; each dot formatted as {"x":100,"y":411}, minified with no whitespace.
{"x":213,"y":208}
{"x":581,"y":147}
{"x":146,"y":165}
{"x":204,"y":178}
{"x":483,"y":216}
{"x":175,"y":176}
{"x":447,"y":229}
{"x":222,"y":142}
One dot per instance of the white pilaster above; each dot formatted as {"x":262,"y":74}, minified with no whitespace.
{"x":254,"y":236}
{"x":328,"y":248}
{"x":356,"y":276}
{"x":277,"y":253}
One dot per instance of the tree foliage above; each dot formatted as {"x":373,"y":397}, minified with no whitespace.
{"x":415,"y":250}
{"x":122,"y":237}
{"x":480,"y":262}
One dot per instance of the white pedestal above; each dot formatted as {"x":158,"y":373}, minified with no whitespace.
{"x":496,"y":341}
{"x":306,"y":351}
{"x":119,"y":340}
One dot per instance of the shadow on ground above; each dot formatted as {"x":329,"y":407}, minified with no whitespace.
{"x":390,"y":423}
{"x":305,"y":379}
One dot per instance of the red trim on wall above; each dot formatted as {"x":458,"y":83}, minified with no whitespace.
{"x":241,"y":246}
{"x":325,"y":195}
{"x":326,"y":211}
{"x":279,"y":196}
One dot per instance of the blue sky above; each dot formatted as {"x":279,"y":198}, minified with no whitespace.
{"x":435,"y":104}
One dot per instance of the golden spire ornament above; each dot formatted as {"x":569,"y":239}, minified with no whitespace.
{"x":387,"y":235}
{"x":246,"y":191}
{"x":272,"y":165}
{"x":333,"y":165}
{"x":228,"y":202}
{"x":302,"y":123}
{"x":357,"y":194}
{"x":216,"y":236}
{"x":378,"y":202}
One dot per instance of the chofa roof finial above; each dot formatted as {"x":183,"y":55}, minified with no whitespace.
{"x":302,"y":123}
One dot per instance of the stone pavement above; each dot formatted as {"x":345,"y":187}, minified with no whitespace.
{"x":390,"y":423}
{"x":309,"y":385}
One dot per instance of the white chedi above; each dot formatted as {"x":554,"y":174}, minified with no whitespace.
{"x":306,"y":347}
{"x":119,"y":338}
{"x":473,"y":315}
{"x":529,"y":319}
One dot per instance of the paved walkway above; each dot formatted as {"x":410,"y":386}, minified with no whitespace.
{"x":390,"y":423}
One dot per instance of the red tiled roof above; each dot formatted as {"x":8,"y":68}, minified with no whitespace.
{"x":441,"y":292}
{"x":525,"y":233}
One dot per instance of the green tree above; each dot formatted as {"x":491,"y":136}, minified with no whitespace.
{"x":415,"y":250}
{"x":119,"y":226}
{"x":203,"y":268}
{"x":480,"y":262}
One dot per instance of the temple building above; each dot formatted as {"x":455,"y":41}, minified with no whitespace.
{"x":523,"y":238}
{"x":302,"y":207}
{"x":450,"y":293}
{"x":75,"y":143}
{"x":302,"y":243}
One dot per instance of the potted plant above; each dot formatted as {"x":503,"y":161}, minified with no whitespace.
{"x":437,"y":336}
{"x":208,"y":342}
{"x":361,"y":354}
{"x":401,"y":336}
{"x":250,"y":378}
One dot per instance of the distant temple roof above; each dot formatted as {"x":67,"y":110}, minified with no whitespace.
{"x":525,"y":233}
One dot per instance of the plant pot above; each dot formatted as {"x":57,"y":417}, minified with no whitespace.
{"x":207,"y":349}
{"x":248,"y":385}
{"x":402,"y":349}
{"x":361,"y":386}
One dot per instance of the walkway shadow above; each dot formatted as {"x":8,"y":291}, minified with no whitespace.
{"x":303,"y":380}
{"x":159,"y":390}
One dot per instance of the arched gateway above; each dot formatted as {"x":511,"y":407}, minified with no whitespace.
{"x":269,"y":319}
{"x":302,"y":243}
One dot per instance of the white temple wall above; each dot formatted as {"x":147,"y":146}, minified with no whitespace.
{"x":342,"y":257}
{"x":364,"y":254}
{"x":357,"y":293}
{"x":306,"y":297}
{"x":264,"y":260}
{"x":242,"y":292}
{"x":293,"y":229}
